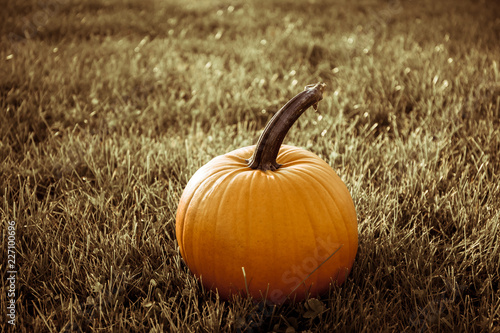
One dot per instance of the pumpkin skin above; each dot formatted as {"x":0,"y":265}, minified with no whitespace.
{"x":279,"y":225}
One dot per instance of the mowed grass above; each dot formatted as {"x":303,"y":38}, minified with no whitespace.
{"x":108,"y":108}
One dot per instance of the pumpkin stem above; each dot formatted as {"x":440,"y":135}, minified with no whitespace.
{"x":268,"y":146}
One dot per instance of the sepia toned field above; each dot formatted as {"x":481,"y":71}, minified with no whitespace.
{"x":108,"y":107}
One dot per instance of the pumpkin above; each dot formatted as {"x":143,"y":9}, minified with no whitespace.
{"x":272,"y":221}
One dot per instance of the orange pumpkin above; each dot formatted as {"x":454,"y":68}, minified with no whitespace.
{"x":270,"y":220}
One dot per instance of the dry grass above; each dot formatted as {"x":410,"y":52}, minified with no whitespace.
{"x":108,"y":107}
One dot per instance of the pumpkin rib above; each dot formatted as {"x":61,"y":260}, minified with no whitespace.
{"x":251,"y":230}
{"x":259,"y":226}
{"x":227,"y":200}
{"x":342,"y":233}
{"x":339,"y":233}
{"x":273,"y":246}
{"x":252,"y":227}
{"x":198,"y":191}
{"x":280,"y":179}
{"x":351,"y":230}
{"x":349,"y":234}
{"x":189,"y":227}
{"x":287,"y":249}
{"x":334,"y":226}
{"x":211,"y":267}
{"x":234,"y":191}
{"x":192,"y":188}
{"x":249,"y":225}
{"x":316,"y":224}
{"x":204,"y":191}
{"x":291,"y":179}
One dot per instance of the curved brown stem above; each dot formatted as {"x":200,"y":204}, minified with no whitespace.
{"x":268,"y":146}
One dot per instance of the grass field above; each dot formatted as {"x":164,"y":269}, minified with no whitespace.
{"x":108,"y":108}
